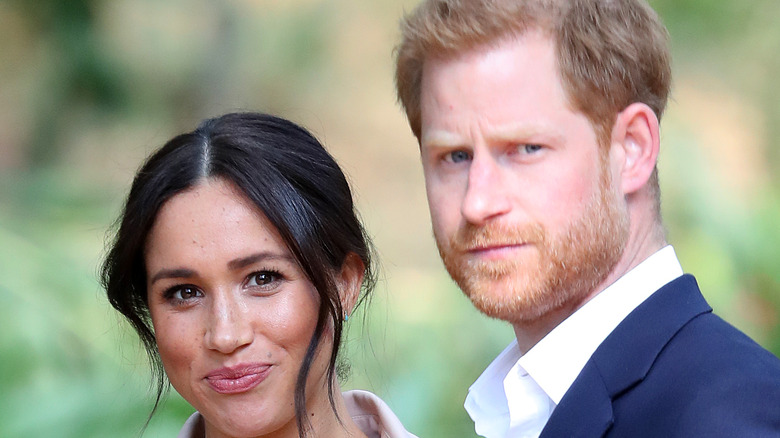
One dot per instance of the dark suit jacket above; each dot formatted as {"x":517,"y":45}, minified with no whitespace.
{"x":672,"y":368}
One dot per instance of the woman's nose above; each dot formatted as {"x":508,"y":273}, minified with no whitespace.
{"x":229,"y":327}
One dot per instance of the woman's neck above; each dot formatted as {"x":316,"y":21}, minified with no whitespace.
{"x":322,"y":421}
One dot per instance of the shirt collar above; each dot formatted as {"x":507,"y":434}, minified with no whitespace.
{"x":482,"y":394}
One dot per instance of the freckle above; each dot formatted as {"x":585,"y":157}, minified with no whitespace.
{"x":269,"y":355}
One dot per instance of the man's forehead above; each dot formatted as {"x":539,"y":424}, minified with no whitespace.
{"x":471,"y":53}
{"x":506,"y":61}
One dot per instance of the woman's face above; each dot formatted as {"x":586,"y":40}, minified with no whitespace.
{"x":232,"y":311}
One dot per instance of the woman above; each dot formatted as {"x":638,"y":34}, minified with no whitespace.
{"x":238,"y":259}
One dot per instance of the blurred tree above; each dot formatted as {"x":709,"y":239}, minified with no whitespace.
{"x":78,"y":74}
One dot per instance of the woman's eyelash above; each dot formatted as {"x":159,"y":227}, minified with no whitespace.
{"x":265,"y":277}
{"x":181,"y":292}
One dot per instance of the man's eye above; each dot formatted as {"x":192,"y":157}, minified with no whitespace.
{"x":263,"y":278}
{"x":528,"y":148}
{"x":457,"y":156}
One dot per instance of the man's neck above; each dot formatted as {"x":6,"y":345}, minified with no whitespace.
{"x":643,"y":244}
{"x":529,"y":333}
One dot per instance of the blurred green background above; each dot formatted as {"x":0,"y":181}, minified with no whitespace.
{"x":90,"y":87}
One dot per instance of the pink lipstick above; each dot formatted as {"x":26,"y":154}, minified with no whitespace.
{"x":237,"y":379}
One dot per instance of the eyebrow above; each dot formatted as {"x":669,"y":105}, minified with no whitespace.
{"x":441,"y":138}
{"x":513,"y":132}
{"x":506,"y":133}
{"x":172,"y":273}
{"x":233,"y":265}
{"x":254,"y":258}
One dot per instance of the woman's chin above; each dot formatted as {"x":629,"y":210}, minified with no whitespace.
{"x":243,"y":427}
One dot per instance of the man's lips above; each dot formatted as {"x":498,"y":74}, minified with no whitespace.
{"x":237,"y":379}
{"x":497,"y":250}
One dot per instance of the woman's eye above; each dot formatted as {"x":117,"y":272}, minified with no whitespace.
{"x":457,"y":156}
{"x":263,"y":278}
{"x":183,"y":293}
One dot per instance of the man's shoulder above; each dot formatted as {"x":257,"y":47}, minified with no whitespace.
{"x":679,"y":323}
{"x":713,"y":344}
{"x":673,"y":368}
{"x":676,"y":332}
{"x":708,"y":357}
{"x":707,"y":378}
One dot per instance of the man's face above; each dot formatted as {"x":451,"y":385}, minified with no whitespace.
{"x":525,"y":212}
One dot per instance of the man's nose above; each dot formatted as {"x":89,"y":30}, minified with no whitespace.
{"x":229,"y":326}
{"x":486,"y":191}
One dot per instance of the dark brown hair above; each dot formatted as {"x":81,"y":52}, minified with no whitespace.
{"x":287,"y":174}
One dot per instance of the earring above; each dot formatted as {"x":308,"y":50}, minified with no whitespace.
{"x":346,"y":317}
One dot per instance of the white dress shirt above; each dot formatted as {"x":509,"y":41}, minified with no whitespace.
{"x":515,"y":396}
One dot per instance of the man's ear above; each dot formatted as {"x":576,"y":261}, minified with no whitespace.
{"x":350,"y":282}
{"x":635,"y":145}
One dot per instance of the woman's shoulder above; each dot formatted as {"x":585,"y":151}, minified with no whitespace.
{"x":193,"y":427}
{"x":373,"y":416}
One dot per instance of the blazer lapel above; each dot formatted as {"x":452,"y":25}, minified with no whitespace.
{"x":586,"y":412}
{"x":624,"y":359}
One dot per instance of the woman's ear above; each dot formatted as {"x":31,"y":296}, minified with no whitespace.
{"x":635,"y":145}
{"x":350,"y":281}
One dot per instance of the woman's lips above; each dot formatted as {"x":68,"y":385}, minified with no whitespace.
{"x":237,"y":379}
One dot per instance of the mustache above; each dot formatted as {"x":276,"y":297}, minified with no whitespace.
{"x":470,"y":237}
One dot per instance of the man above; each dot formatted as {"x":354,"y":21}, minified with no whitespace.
{"x":538,"y":126}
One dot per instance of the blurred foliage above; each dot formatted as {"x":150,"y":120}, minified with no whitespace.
{"x":89,"y":87}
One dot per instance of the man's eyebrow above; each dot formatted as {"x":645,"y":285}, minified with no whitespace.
{"x":257,"y":257}
{"x":520,"y":132}
{"x":442,"y":139}
{"x":172,"y":273}
{"x":505,"y":133}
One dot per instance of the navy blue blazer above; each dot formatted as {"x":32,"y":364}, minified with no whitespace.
{"x":673,"y":368}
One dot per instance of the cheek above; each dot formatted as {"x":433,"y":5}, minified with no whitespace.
{"x":177,"y":343}
{"x":444,"y":207}
{"x":565,"y":196}
{"x":568,"y":207}
{"x":564,"y":199}
{"x":295,"y":320}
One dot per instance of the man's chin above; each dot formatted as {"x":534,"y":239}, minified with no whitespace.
{"x":511,"y":306}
